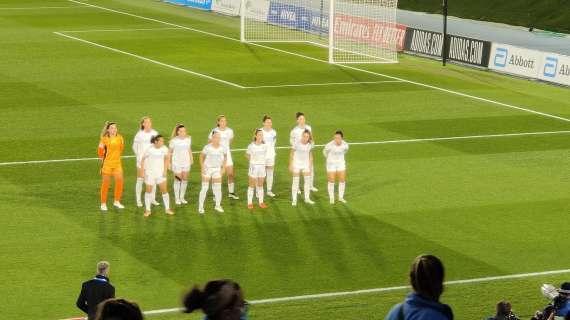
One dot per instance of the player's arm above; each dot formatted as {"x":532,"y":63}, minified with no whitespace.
{"x":202,"y":159}
{"x":248,"y":154}
{"x":166,"y":165}
{"x":170,"y":152}
{"x":292,"y":137}
{"x":311,"y":159}
{"x":191,"y":155}
{"x":326,"y":151}
{"x":224,"y":164}
{"x":291,"y":155}
{"x":136,"y":143}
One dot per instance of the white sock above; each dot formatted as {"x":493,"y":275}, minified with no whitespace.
{"x":139,"y":189}
{"x":307,"y":187}
{"x":183,"y":186}
{"x":341,"y":188}
{"x":231,"y":187}
{"x":269,"y":179}
{"x":259,"y":194}
{"x":147,"y":200}
{"x":203,"y":193}
{"x":217,"y":188}
{"x":249,"y":195}
{"x":295,"y":188}
{"x":176,"y":188}
{"x":166,"y":200}
{"x":154,"y":193}
{"x":330,"y":188}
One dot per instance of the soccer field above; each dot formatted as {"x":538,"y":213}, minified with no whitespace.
{"x":468,"y":165}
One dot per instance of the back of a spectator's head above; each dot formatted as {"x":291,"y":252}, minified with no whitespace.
{"x":118,"y":309}
{"x":426,"y":277}
{"x":103,"y":268}
{"x":564,"y":289}
{"x":504,"y":309}
{"x":219,"y":300}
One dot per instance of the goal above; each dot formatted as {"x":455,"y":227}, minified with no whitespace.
{"x":353,"y":31}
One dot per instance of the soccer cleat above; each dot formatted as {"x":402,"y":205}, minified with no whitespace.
{"x":233,"y":196}
{"x":118,"y":205}
{"x":219,"y":209}
{"x":155,"y":203}
{"x":177,"y":202}
{"x":183,"y":201}
{"x":342,"y":200}
{"x":313,"y":189}
{"x":263,"y":205}
{"x":104,"y":207}
{"x":147,"y":214}
{"x":309,"y":201}
{"x":270,"y":194}
{"x":139,"y":204}
{"x":170,"y":212}
{"x":294,"y":203}
{"x":201,"y":211}
{"x":250,"y":206}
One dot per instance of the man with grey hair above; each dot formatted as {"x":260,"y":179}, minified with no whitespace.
{"x":95,"y":291}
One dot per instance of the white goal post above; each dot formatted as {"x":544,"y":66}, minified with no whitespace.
{"x":353,"y":31}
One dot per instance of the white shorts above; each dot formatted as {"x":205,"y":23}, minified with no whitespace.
{"x":301,"y":167}
{"x":177,"y":169}
{"x":270,"y":161}
{"x":229,"y":160}
{"x":212,"y":173}
{"x":151,"y":180}
{"x":336,"y":166}
{"x":257,"y":171}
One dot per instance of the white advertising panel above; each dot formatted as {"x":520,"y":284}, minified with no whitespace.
{"x":515,"y":60}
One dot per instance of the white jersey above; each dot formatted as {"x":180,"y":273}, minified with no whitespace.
{"x":142,"y":142}
{"x":154,"y":161}
{"x":302,"y":153}
{"x":270,"y":139}
{"x":214,"y":157}
{"x":180,"y":148}
{"x":335,"y":153}
{"x":297,"y":134}
{"x":257,"y":153}
{"x":226,"y":136}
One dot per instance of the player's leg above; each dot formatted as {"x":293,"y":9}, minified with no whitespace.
{"x":217,"y":188}
{"x":341,"y":185}
{"x":260,"y":193}
{"x":250,"y":189}
{"x":203,"y":191}
{"x":119,"y":183}
{"x":295,"y":186}
{"x":105,"y":183}
{"x":139,"y":184}
{"x":184,"y":186}
{"x":331,"y":176}
{"x":307,"y":185}
{"x":176,"y":184}
{"x":269,"y":170}
{"x":165,"y":196}
{"x":150,"y":185}
{"x":312,"y":177}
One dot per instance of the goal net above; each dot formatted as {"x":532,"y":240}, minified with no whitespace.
{"x":353,"y":31}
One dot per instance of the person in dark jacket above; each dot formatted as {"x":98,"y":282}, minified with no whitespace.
{"x":504,"y":312}
{"x":426,"y":277}
{"x":119,"y":309}
{"x":219,"y":300}
{"x":95,"y":291}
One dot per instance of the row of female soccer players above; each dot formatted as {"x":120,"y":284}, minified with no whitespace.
{"x":153,"y":159}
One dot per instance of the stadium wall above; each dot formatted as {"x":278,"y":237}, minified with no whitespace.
{"x":532,"y":64}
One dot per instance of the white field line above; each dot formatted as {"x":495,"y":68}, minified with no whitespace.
{"x":322,"y":84}
{"x":340,"y":65}
{"x":15,"y":163}
{"x":42,"y":8}
{"x":201,"y":75}
{"x":375,"y":290}
{"x":118,"y":30}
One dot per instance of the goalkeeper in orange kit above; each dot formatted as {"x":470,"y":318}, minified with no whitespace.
{"x":110,"y":149}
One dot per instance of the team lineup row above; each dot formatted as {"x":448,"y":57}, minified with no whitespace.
{"x":154,"y":159}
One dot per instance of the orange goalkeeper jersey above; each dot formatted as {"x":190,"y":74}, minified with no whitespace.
{"x":110,"y":150}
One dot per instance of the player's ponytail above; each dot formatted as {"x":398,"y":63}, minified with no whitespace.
{"x":193,"y":300}
{"x":105,"y":130}
{"x":307,"y":131}
{"x":175,"y":131}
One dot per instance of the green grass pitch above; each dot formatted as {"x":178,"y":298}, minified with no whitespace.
{"x":486,"y":206}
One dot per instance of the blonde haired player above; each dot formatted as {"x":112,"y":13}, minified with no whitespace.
{"x":226,"y":140}
{"x":181,"y":159}
{"x":296,"y":135}
{"x":257,"y":155}
{"x":270,"y":139}
{"x":301,"y":162}
{"x":154,"y":164}
{"x":212,"y":162}
{"x":334,"y":152}
{"x":140,"y":144}
{"x":111,"y":146}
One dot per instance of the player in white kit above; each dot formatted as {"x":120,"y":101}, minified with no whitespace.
{"x":295,"y":136}
{"x":226,"y":140}
{"x":140,"y":144}
{"x":301,"y":162}
{"x":334,"y":152}
{"x":180,"y":156}
{"x":257,"y":155}
{"x":213,"y":163}
{"x":154,"y":163}
{"x":270,"y":139}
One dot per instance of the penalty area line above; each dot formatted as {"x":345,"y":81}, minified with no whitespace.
{"x":374,"y":290}
{"x":488,"y":136}
{"x":322,"y":84}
